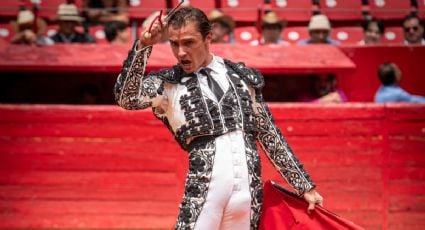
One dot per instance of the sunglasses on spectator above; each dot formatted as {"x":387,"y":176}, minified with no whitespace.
{"x":414,"y":28}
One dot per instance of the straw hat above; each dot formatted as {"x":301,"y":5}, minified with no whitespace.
{"x":319,"y":22}
{"x":271,"y":18}
{"x":68,"y":12}
{"x":25,"y":18}
{"x":218,"y":16}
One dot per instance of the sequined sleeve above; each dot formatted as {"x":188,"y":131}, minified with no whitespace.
{"x":277,"y":149}
{"x":133,"y":90}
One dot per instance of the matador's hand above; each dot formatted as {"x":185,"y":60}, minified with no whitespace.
{"x":313,"y":198}
{"x":153,"y":33}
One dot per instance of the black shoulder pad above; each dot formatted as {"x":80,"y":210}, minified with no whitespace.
{"x":170,"y":75}
{"x":250,"y":75}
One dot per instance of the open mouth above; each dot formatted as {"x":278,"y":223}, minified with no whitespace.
{"x":185,"y":64}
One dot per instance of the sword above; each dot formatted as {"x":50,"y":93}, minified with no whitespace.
{"x":148,"y":34}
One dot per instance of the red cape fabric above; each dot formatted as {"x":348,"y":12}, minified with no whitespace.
{"x":284,"y":210}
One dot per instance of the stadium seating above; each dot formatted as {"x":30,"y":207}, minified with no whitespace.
{"x":241,"y":10}
{"x":205,"y":5}
{"x":390,"y":9}
{"x":295,"y":34}
{"x":393,"y":35}
{"x":342,"y":9}
{"x":48,"y":8}
{"x":293,"y":10}
{"x":246,"y":34}
{"x":98,"y":33}
{"x":9,"y":8}
{"x":347,"y":35}
{"x":140,"y":9}
{"x":421,"y":9}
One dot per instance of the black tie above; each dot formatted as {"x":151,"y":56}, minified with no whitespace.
{"x":214,"y":86}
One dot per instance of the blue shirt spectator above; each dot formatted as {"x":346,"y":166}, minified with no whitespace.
{"x":390,"y":91}
{"x":393,"y":93}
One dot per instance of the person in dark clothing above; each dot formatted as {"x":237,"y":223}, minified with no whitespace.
{"x":102,"y":11}
{"x":68,"y":20}
{"x":116,"y":32}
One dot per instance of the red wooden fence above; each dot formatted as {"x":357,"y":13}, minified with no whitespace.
{"x":103,"y":167}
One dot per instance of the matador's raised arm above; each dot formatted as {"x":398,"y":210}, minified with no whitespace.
{"x":133,"y":90}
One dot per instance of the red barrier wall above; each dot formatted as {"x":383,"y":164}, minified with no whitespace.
{"x":103,"y":167}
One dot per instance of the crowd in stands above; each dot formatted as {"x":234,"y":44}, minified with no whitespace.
{"x":78,"y":21}
{"x":74,"y":23}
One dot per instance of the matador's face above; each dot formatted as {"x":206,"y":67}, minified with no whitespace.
{"x":189,"y":47}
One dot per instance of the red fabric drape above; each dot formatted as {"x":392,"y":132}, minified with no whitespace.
{"x":284,"y":210}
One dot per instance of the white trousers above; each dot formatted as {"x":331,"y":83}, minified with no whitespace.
{"x":228,"y":202}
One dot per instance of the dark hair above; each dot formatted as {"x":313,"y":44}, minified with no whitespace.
{"x":410,"y":17}
{"x":223,"y":24}
{"x":379,"y":23}
{"x":190,"y":14}
{"x":387,"y":73}
{"x":111,"y":29}
{"x":272,"y":26}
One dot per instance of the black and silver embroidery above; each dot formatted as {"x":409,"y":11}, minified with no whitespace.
{"x":255,"y":182}
{"x":201,"y":160}
{"x":278,"y":151}
{"x":204,"y":117}
{"x":198,"y":122}
{"x":128,"y":91}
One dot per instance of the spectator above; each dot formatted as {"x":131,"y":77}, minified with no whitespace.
{"x":373,"y":30}
{"x":222,"y":27}
{"x":147,"y":23}
{"x":413,"y":30}
{"x":116,"y":32}
{"x":324,"y":90}
{"x":24,"y":26}
{"x":102,"y":11}
{"x":271,"y":28}
{"x":390,"y":91}
{"x":319,"y":29}
{"x":68,"y":20}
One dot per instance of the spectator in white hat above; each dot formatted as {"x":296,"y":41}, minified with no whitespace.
{"x":319,"y":30}
{"x":68,"y":19}
{"x":24,"y":29}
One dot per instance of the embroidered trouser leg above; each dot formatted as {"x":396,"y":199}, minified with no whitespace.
{"x":228,"y":202}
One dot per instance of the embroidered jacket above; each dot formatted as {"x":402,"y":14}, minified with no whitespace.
{"x":177,"y":100}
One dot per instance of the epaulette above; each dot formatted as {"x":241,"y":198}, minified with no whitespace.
{"x":171,"y":75}
{"x":250,"y":75}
